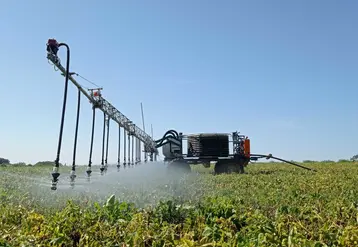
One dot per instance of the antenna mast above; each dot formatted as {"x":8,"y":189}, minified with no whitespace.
{"x":141,"y":106}
{"x":151,"y":126}
{"x":145,"y":153}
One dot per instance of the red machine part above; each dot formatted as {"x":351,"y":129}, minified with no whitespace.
{"x":52,"y":46}
{"x":96,"y":93}
{"x":52,"y":42}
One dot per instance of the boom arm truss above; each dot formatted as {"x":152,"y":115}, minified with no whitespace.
{"x":99,"y":102}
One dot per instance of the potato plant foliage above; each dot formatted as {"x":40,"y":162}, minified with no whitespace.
{"x":271,"y":205}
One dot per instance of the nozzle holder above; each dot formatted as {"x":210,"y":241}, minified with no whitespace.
{"x":52,"y":46}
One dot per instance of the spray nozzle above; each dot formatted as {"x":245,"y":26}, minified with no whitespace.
{"x":54,"y":186}
{"x":102,"y":169}
{"x":72,"y":178}
{"x":88,"y":171}
{"x":55,"y":175}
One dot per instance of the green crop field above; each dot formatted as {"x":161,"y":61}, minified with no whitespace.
{"x":271,"y":205}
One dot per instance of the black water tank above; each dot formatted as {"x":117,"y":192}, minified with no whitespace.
{"x":204,"y":145}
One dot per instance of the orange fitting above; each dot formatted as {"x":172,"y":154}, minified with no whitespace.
{"x":247,"y":148}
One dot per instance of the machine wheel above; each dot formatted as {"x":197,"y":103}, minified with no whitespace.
{"x":220,"y":167}
{"x":206,"y":164}
{"x":179,"y":167}
{"x":229,"y":167}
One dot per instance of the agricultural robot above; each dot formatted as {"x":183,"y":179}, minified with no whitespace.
{"x":205,"y":148}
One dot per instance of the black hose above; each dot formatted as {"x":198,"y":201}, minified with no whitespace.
{"x":276,"y":158}
{"x":136,"y":150}
{"x":139,"y":153}
{"x":124,"y":148}
{"x":92,"y":137}
{"x":55,"y":172}
{"x":169,"y":133}
{"x":76,"y":131}
{"x":57,"y":161}
{"x":133,"y":161}
{"x":106,"y":161}
{"x":119,"y":147}
{"x":103,"y":141}
{"x":173,"y":132}
{"x":145,"y":153}
{"x":160,"y":141}
{"x":129,"y":149}
{"x":165,"y":137}
{"x":294,"y":164}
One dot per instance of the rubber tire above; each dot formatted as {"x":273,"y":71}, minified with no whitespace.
{"x":179,"y":167}
{"x":228,"y":167}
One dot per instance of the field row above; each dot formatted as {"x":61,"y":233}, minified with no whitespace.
{"x":271,"y":205}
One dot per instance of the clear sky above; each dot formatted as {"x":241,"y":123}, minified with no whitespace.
{"x":285,"y":73}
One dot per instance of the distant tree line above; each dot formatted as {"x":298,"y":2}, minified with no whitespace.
{"x":354,"y":158}
{"x":5,"y":162}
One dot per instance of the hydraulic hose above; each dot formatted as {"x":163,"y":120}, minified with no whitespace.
{"x":55,"y":173}
{"x":169,"y":133}
{"x":173,"y":132}
{"x":164,"y":138}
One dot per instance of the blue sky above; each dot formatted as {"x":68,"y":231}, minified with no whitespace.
{"x":282,"y":72}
